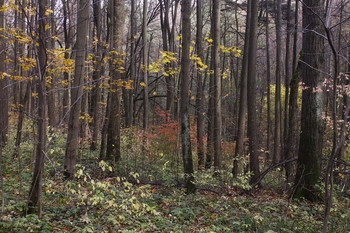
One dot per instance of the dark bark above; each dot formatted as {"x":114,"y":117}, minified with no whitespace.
{"x":312,"y":125}
{"x":114,"y":119}
{"x":145,"y":65}
{"x":200,"y":88}
{"x":184,"y":93}
{"x":72,"y":145}
{"x":217,"y":85}
{"x":291,"y":143}
{"x":252,"y":114}
{"x":239,"y":150}
{"x":4,"y":100}
{"x":278,"y":139}
{"x":34,"y":199}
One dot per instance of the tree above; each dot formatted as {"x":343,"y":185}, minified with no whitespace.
{"x":145,"y":65}
{"x":217,"y":84}
{"x":239,"y":150}
{"x":251,"y":75}
{"x":34,"y":199}
{"x":77,"y":88}
{"x":116,"y":8}
{"x":4,"y":100}
{"x":312,"y":125}
{"x":200,"y":88}
{"x":278,"y":139}
{"x":184,"y":94}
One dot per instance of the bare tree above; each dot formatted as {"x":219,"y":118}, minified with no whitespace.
{"x":184,"y":93}
{"x":77,"y":88}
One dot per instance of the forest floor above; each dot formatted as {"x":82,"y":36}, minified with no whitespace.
{"x":150,"y":198}
{"x":116,"y":205}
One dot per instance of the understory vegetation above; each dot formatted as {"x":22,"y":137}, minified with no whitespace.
{"x":144,"y":193}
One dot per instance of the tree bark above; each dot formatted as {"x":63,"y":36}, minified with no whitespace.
{"x":72,"y":145}
{"x":312,"y":125}
{"x":184,"y":92}
{"x":217,"y":85}
{"x":145,"y":65}
{"x":4,"y":100}
{"x":252,"y":118}
{"x":34,"y":199}
{"x":278,"y":141}
{"x":200,"y":88}
{"x":239,"y":150}
{"x":114,"y":119}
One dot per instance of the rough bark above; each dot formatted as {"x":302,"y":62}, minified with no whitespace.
{"x":217,"y":85}
{"x":239,"y":150}
{"x":312,"y":125}
{"x":252,"y":114}
{"x":3,"y":83}
{"x":72,"y":145}
{"x":34,"y":199}
{"x":145,"y":65}
{"x":200,"y":88}
{"x":114,"y":119}
{"x":184,"y":93}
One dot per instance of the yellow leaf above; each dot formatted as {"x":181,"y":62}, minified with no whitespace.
{"x":48,"y":11}
{"x":35,"y":95}
{"x":143,"y":84}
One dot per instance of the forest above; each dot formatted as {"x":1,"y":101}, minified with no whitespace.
{"x":174,"y":116}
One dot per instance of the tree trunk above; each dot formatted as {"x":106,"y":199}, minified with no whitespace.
{"x":184,"y":92}
{"x":268,"y":80}
{"x":96,"y":74}
{"x":145,"y":65}
{"x":252,"y":114}
{"x":239,"y":151}
{"x":312,"y":125}
{"x":72,"y":145}
{"x":291,"y":143}
{"x":4,"y":100}
{"x":34,"y":199}
{"x":200,"y":88}
{"x":277,"y":142}
{"x":217,"y":85}
{"x":114,"y":119}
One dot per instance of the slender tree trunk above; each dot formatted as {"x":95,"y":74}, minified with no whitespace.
{"x":268,"y":80}
{"x":291,"y":143}
{"x":239,"y":151}
{"x":133,"y":24}
{"x":67,"y":45}
{"x":72,"y":145}
{"x":34,"y":199}
{"x":200,"y":88}
{"x":278,"y":141}
{"x":252,"y":114}
{"x":3,"y":103}
{"x":145,"y":64}
{"x":184,"y":92}
{"x":51,"y":93}
{"x":217,"y":85}
{"x":114,"y":119}
{"x":288,"y":76}
{"x":4,"y":100}
{"x":96,"y":74}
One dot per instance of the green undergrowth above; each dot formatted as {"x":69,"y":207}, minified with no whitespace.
{"x":143,"y":193}
{"x":100,"y":203}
